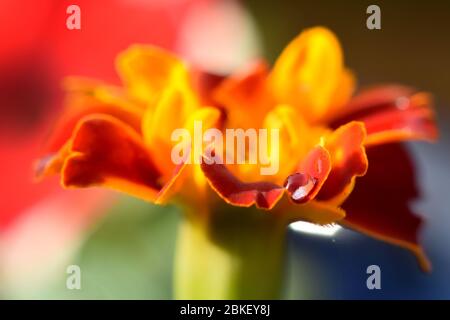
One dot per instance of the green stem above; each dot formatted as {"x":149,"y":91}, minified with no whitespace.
{"x":233,"y":253}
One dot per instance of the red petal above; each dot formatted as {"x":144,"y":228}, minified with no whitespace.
{"x":348,"y":158}
{"x":392,"y":113}
{"x":206,"y":83}
{"x":314,"y":169}
{"x":107,"y":152}
{"x":83,"y":100}
{"x":263,"y":194}
{"x":379,"y":204}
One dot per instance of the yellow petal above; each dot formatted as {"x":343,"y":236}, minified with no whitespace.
{"x":296,"y":138}
{"x":146,"y":71}
{"x":194,"y":191}
{"x":309,"y":73}
{"x":342,"y":95}
{"x":171,"y":112}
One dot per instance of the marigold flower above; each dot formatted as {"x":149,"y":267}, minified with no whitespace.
{"x":120,"y":138}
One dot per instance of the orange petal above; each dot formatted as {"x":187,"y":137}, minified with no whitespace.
{"x":349,"y":160}
{"x":311,"y":174}
{"x":109,"y":153}
{"x":392,"y":113}
{"x":235,"y":192}
{"x":244,"y":88}
{"x":379,"y":205}
{"x":245,"y":96}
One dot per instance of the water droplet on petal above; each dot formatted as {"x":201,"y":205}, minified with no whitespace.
{"x":299,"y":186}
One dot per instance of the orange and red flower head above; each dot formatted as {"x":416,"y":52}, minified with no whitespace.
{"x":338,"y":154}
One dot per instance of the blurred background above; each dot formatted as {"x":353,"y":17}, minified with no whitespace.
{"x":125,"y":246}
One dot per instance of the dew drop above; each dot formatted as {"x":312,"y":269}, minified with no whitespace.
{"x":402,"y":103}
{"x":299,"y":186}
